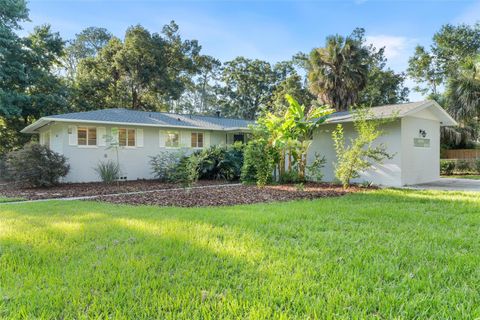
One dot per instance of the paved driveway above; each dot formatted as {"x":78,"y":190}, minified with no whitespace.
{"x":450,"y":184}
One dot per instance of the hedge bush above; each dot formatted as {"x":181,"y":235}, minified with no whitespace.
{"x":222,"y":163}
{"x":164,"y":165}
{"x":36,"y":166}
{"x":447,"y":167}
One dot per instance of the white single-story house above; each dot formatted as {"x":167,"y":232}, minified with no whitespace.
{"x":85,"y":138}
{"x":413,"y":139}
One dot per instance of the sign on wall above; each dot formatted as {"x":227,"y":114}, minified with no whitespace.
{"x":421,"y":142}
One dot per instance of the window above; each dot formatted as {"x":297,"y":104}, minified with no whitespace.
{"x":126,"y":137}
{"x":171,"y":139}
{"x":197,"y":140}
{"x":87,"y":136}
{"x":239,"y":137}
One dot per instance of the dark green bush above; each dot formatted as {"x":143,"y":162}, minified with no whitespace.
{"x":477,"y":165}
{"x":222,"y":163}
{"x":187,"y":171}
{"x":463,"y":166}
{"x":290,"y":177}
{"x":36,"y":166}
{"x":164,"y":165}
{"x":447,"y":167}
{"x":258,"y":162}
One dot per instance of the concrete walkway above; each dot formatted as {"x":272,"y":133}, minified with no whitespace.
{"x":450,"y":184}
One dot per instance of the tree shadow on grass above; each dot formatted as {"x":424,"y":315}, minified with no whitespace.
{"x":391,"y":252}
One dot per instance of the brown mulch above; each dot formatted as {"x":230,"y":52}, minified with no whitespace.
{"x":68,"y":190}
{"x":231,"y":195}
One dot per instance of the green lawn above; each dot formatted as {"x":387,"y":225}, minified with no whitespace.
{"x":465,"y":176}
{"x":5,"y":199}
{"x":383,"y":254}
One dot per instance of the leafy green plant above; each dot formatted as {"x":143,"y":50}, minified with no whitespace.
{"x":258,"y":162}
{"x":462,"y":166}
{"x":187,"y":171}
{"x":360,"y":154}
{"x":290,"y":176}
{"x":108,"y":171}
{"x":477,"y":165}
{"x":36,"y":166}
{"x":447,"y":167}
{"x":165,"y":164}
{"x":222,"y":162}
{"x":314,"y":169}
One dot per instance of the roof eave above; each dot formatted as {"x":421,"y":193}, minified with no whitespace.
{"x":39,"y":123}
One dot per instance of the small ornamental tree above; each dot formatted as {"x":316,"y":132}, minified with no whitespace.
{"x":291,"y":136}
{"x":360,"y":153}
{"x":36,"y":166}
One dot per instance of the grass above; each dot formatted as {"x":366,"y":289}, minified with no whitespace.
{"x":380,"y":254}
{"x":5,"y":199}
{"x":464,"y":176}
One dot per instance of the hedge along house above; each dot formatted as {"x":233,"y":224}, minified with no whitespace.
{"x":413,"y":138}
{"x":86,"y":138}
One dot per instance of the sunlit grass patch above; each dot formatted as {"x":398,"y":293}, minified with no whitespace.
{"x":6,"y":199}
{"x":379,"y":254}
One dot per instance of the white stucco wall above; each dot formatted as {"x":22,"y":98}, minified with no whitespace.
{"x":388,"y":173}
{"x":420,"y":164}
{"x":134,"y":161}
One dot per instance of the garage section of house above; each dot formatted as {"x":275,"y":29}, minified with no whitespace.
{"x":413,"y":138}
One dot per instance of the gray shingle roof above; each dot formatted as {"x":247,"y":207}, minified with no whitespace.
{"x":160,"y":119}
{"x":379,"y":112}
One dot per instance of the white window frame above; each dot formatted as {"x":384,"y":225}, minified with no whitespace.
{"x":196,"y":143}
{"x":126,"y":138}
{"x":167,"y":135}
{"x":87,"y":145}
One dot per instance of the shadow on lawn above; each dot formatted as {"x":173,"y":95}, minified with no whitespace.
{"x":370,"y":254}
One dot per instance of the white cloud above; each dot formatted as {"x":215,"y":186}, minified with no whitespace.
{"x":398,"y":49}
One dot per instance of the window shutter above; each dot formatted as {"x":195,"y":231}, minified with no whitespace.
{"x":101,"y":136}
{"x":161,"y":137}
{"x":139,"y":137}
{"x":206,"y":139}
{"x":114,"y":136}
{"x":72,"y":135}
{"x":185,"y":139}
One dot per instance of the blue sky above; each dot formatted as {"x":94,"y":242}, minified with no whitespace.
{"x":269,"y":30}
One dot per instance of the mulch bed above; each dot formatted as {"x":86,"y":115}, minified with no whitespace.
{"x":231,"y":195}
{"x":68,"y":190}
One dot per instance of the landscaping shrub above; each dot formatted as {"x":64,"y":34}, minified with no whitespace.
{"x":222,"y":163}
{"x":165,"y":164}
{"x":477,"y":165}
{"x":359,"y":154}
{"x":36,"y":165}
{"x":314,"y":169}
{"x":187,"y":171}
{"x":3,"y":168}
{"x":108,"y":171}
{"x":291,"y":176}
{"x":447,"y":167}
{"x":258,"y":162}
{"x":462,"y":166}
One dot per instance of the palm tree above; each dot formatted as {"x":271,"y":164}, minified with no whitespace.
{"x":464,"y":91}
{"x":338,"y":72}
{"x":463,"y":100}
